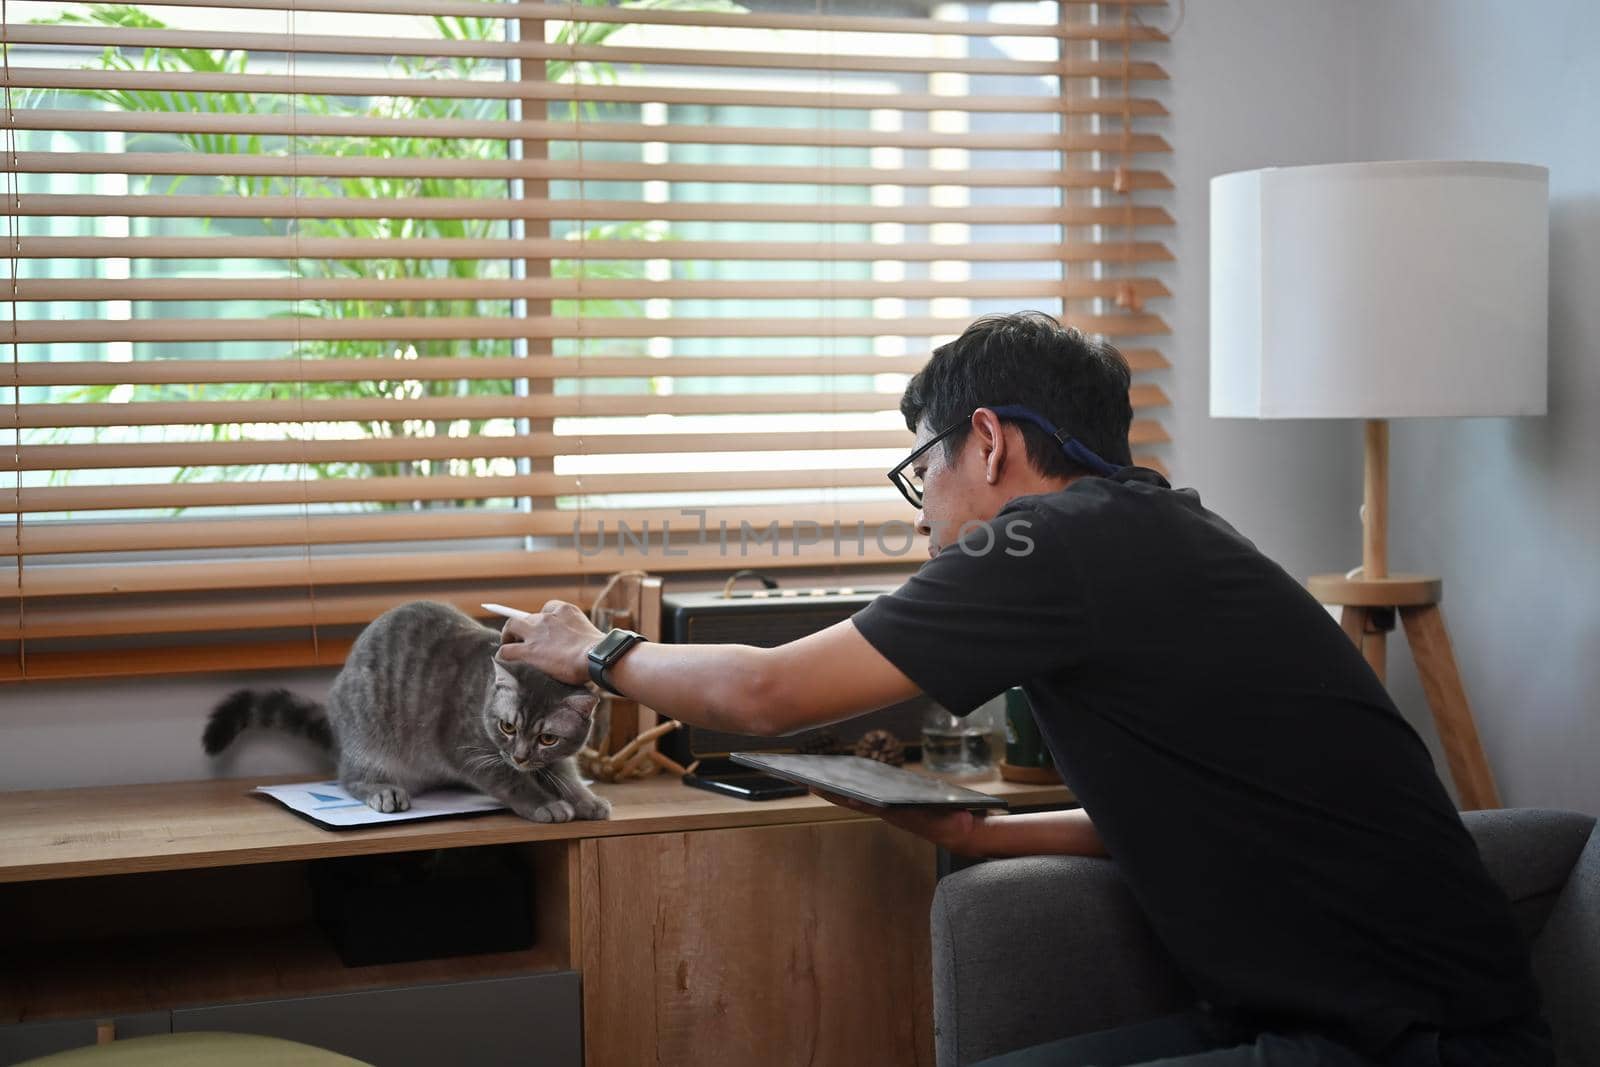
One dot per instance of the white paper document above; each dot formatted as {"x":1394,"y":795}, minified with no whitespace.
{"x":327,"y":804}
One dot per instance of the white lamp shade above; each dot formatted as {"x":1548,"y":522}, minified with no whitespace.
{"x":1379,"y":290}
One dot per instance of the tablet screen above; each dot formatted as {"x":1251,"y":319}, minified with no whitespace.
{"x":867,"y":780}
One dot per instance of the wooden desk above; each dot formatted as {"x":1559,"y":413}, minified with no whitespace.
{"x":782,"y":931}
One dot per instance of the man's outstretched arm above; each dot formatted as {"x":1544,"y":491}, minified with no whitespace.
{"x":822,"y":678}
{"x":830,"y":675}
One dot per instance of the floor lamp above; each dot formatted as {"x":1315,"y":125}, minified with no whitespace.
{"x":1377,"y":291}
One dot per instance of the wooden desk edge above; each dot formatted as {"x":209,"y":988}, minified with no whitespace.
{"x":85,"y":847}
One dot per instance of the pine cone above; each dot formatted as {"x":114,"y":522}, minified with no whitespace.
{"x":882,"y":746}
{"x":821,"y":743}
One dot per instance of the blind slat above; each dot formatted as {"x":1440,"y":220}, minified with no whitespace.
{"x":261,"y":610}
{"x":446,"y":368}
{"x":307,"y":44}
{"x":190,"y":289}
{"x":45,"y":537}
{"x":531,"y":129}
{"x":291,"y":328}
{"x":395,"y":449}
{"x":468,"y":566}
{"x":131,"y":456}
{"x":54,"y":78}
{"x":272,"y":610}
{"x":332,"y":207}
{"x":555,"y":12}
{"x":451,"y":368}
{"x":547,"y":248}
{"x":1143,"y":359}
{"x":202,"y":164}
{"x":283,"y":207}
{"x":386,"y":488}
{"x":199,"y":371}
{"x":227,"y":412}
{"x":168,"y":658}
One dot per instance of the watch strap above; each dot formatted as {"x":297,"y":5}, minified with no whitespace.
{"x":605,"y":654}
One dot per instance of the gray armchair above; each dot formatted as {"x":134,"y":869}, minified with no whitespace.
{"x":1069,"y":927}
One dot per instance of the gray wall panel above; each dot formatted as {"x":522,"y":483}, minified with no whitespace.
{"x":533,"y":1021}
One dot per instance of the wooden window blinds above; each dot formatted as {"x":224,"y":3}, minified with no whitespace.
{"x":318,"y":305}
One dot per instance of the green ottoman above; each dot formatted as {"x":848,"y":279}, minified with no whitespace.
{"x":184,"y":1050}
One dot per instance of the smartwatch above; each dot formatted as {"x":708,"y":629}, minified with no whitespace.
{"x":606,"y":653}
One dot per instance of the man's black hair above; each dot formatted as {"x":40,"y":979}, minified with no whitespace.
{"x":1028,"y":358}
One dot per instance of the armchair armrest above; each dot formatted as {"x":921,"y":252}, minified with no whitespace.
{"x":1034,"y":949}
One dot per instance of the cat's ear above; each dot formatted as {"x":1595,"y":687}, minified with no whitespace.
{"x":584,"y":703}
{"x":502,"y":675}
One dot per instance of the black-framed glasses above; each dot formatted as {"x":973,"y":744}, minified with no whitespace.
{"x":908,"y":479}
{"x":905,"y":475}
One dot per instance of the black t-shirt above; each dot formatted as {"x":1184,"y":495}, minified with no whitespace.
{"x":1280,"y":824}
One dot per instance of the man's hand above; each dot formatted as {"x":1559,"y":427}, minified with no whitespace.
{"x":556,"y":641}
{"x":953,"y":830}
{"x":967,"y":833}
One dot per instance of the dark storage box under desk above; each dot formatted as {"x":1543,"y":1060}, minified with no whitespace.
{"x":423,"y":905}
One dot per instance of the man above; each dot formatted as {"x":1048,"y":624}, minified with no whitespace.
{"x":1279,"y":823}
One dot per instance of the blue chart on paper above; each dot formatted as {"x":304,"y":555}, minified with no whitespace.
{"x":329,"y":806}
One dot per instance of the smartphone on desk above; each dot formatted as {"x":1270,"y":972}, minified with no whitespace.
{"x":747,"y":785}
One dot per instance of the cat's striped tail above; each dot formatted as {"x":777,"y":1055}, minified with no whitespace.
{"x":276,"y":709}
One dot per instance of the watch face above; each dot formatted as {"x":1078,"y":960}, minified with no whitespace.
{"x":610,"y":643}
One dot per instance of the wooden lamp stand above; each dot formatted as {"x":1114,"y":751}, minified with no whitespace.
{"x":1369,"y":604}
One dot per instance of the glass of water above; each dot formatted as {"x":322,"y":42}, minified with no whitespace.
{"x":967,"y":744}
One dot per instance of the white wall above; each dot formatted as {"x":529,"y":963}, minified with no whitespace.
{"x":141,"y":730}
{"x":1508,"y":510}
{"x":1256,"y":83}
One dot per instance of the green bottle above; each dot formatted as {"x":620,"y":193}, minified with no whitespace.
{"x":1025,"y":746}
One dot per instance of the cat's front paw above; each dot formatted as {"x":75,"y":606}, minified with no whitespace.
{"x":592,"y":807}
{"x":553,"y":811}
{"x":388,"y":798}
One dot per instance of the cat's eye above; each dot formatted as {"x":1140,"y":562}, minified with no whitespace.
{"x":548,"y":739}
{"x":507,"y":728}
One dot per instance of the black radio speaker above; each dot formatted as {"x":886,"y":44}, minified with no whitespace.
{"x":767,"y":618}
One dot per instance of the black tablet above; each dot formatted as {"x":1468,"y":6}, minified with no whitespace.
{"x":867,"y":780}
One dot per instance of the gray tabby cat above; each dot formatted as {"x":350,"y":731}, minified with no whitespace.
{"x":422,"y":702}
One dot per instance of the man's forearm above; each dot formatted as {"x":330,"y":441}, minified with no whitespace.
{"x":721,"y":687}
{"x":823,"y":678}
{"x":1042,"y":833}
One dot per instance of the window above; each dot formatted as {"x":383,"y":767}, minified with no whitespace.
{"x":322,"y":306}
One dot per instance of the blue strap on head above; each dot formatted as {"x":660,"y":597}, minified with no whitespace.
{"x":1074,"y":449}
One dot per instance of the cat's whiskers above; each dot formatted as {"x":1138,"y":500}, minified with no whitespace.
{"x":552,"y":781}
{"x":478,"y":758}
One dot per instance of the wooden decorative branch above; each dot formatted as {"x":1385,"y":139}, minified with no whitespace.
{"x":637,"y":759}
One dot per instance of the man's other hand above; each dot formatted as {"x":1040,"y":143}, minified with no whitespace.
{"x":557,"y":641}
{"x":952,"y":829}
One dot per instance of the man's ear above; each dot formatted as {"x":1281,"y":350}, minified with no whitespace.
{"x":990,"y":434}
